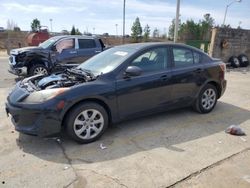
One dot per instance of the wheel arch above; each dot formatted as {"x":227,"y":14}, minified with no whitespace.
{"x":94,"y":100}
{"x":217,"y":86}
{"x":34,"y":62}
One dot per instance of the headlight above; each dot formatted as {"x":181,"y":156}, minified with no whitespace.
{"x":44,"y":95}
{"x":20,"y":57}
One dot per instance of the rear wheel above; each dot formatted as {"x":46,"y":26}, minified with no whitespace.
{"x":207,"y":99}
{"x":243,"y":59}
{"x":38,"y":69}
{"x":86,"y":122}
{"x":234,"y":61}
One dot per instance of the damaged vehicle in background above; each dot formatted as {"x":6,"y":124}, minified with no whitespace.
{"x":120,"y":83}
{"x":55,"y":54}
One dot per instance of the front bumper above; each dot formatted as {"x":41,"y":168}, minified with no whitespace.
{"x":20,"y":71}
{"x":34,"y":121}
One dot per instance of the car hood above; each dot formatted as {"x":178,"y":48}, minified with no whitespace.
{"x":68,"y":78}
{"x":21,"y":50}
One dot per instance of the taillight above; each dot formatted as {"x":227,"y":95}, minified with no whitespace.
{"x":223,"y":67}
{"x":222,"y":71}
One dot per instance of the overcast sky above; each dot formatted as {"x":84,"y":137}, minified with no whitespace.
{"x":101,"y":16}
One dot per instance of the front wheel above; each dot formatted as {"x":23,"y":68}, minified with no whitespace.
{"x":38,"y":69}
{"x":207,"y":99}
{"x":86,"y":122}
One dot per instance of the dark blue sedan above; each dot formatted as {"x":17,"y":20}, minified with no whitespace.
{"x":122,"y":82}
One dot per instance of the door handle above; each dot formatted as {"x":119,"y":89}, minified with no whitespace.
{"x":97,"y":51}
{"x":164,"y":77}
{"x":199,"y":70}
{"x":72,"y":52}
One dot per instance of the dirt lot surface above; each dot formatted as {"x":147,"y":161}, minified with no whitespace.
{"x":173,"y":149}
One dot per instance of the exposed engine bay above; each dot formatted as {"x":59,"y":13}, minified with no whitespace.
{"x":68,"y":78}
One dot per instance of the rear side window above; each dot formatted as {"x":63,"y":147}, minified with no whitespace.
{"x":197,"y":57}
{"x":183,"y":57}
{"x":86,"y":43}
{"x":205,"y":59}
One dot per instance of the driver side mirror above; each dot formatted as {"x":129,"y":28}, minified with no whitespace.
{"x":53,"y":48}
{"x":132,"y":71}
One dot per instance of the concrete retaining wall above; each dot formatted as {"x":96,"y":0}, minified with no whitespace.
{"x":228,"y":42}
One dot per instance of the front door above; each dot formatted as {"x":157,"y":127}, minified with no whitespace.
{"x":151,"y":89}
{"x":66,"y":52}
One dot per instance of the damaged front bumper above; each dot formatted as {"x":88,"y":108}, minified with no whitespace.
{"x":22,"y":71}
{"x":14,"y":69}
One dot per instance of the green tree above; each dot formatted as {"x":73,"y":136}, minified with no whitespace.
{"x":190,"y":30}
{"x":146,"y":33}
{"x":35,"y":25}
{"x":205,"y":27}
{"x":172,"y":28}
{"x":73,"y":30}
{"x":78,"y":32}
{"x":136,"y":30}
{"x":156,"y":33}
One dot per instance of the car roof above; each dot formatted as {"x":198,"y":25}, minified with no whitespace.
{"x":74,"y":36}
{"x":140,"y":46}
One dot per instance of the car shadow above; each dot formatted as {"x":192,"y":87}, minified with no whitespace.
{"x":164,"y":130}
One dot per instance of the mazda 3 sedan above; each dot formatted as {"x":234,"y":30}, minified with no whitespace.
{"x":120,"y":83}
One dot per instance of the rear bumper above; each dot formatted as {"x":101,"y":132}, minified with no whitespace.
{"x":223,"y":87}
{"x":34,"y":121}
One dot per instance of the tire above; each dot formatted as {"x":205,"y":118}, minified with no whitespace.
{"x":38,"y":69}
{"x":234,"y":61}
{"x":82,"y":126}
{"x":206,"y":100}
{"x":243,"y":59}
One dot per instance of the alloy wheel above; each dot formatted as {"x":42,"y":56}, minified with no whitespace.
{"x":40,"y":70}
{"x":208,"y":99}
{"x":88,"y":124}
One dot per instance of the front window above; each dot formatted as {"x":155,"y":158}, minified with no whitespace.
{"x":106,"y":61}
{"x":152,"y":60}
{"x":65,"y":44}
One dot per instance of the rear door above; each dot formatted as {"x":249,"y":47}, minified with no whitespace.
{"x":151,"y":89}
{"x":188,"y":74}
{"x":87,"y":48}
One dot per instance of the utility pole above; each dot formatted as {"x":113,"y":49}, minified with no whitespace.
{"x":177,"y":21}
{"x":225,"y":15}
{"x":50,"y":24}
{"x":116,"y":25}
{"x":123,"y":33}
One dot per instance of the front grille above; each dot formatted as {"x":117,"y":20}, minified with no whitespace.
{"x":12,"y":59}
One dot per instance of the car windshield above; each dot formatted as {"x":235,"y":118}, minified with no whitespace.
{"x":48,"y":42}
{"x":106,"y":61}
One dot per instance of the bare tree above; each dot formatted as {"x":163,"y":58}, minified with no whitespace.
{"x":11,"y":25}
